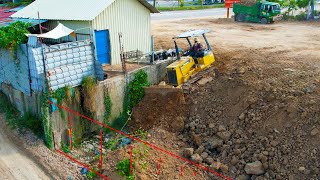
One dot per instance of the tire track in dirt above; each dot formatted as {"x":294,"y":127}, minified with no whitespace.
{"x":15,"y":165}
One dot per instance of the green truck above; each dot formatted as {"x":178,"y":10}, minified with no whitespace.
{"x":261,"y":12}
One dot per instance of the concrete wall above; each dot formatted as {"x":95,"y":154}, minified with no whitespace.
{"x":24,"y":103}
{"x":115,"y":87}
{"x":66,"y":64}
{"x":14,"y":69}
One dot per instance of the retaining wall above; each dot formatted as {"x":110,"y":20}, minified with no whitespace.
{"x":115,"y":87}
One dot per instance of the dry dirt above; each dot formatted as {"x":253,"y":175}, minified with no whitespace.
{"x":14,"y":164}
{"x":263,"y":105}
{"x":158,"y":109}
{"x":25,"y":156}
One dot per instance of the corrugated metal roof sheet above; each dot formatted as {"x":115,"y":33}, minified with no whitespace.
{"x":8,"y":21}
{"x":15,"y":9}
{"x":4,"y":14}
{"x":5,"y":19}
{"x":67,"y":9}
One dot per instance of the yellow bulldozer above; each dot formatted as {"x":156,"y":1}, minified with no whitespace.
{"x":186,"y":67}
{"x":167,"y":102}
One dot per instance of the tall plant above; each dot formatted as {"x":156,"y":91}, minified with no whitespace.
{"x":181,"y":2}
{"x":13,"y":35}
{"x":136,"y":91}
{"x":291,"y":5}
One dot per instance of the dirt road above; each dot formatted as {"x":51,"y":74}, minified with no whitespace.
{"x":190,"y":14}
{"x":15,"y":165}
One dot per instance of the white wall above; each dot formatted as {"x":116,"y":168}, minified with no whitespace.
{"x":130,"y":18}
{"x":83,"y":27}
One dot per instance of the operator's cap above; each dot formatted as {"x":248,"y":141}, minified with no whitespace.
{"x":195,"y":39}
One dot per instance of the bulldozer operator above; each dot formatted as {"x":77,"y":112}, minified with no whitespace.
{"x":196,"y":50}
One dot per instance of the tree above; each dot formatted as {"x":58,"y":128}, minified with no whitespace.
{"x":303,"y":3}
{"x":181,"y":2}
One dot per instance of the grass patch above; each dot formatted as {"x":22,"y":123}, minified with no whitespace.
{"x":89,"y":87}
{"x":194,"y":7}
{"x":108,"y":108}
{"x":15,"y":120}
{"x":123,"y":169}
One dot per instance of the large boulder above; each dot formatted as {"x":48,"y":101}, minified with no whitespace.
{"x":178,"y":124}
{"x":255,"y":168}
{"x":187,"y":152}
{"x":196,"y":158}
{"x":225,"y":135}
{"x":196,"y":139}
{"x":214,"y":142}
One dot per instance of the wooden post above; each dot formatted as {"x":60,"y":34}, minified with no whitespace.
{"x":70,"y":132}
{"x":100,"y":149}
{"x":228,"y":12}
{"x":40,"y":28}
{"x":131,"y":170}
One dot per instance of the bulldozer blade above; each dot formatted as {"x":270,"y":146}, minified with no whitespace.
{"x":165,"y":91}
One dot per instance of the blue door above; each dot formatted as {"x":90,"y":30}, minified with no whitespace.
{"x":103,"y":46}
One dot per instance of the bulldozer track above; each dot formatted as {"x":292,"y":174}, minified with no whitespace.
{"x":192,"y":84}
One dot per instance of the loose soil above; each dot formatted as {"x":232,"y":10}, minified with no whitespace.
{"x":263,"y":104}
{"x":25,"y":156}
{"x":160,"y":105}
{"x":14,"y":164}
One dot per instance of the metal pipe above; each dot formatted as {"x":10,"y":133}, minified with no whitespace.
{"x":207,"y":42}
{"x":190,"y":44}
{"x":312,"y":9}
{"x":152,"y":49}
{"x":177,"y":49}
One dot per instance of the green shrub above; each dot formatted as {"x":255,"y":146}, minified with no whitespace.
{"x":13,"y":35}
{"x":89,"y":85}
{"x":13,"y":118}
{"x":108,"y":108}
{"x":112,"y":144}
{"x":91,"y":175}
{"x":182,"y":3}
{"x":33,"y":123}
{"x":301,"y":16}
{"x":65,"y":148}
{"x":20,"y":3}
{"x":136,"y":91}
{"x":123,"y":169}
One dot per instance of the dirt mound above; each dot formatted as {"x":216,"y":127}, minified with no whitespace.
{"x":247,"y":2}
{"x":259,"y":114}
{"x":162,"y":106}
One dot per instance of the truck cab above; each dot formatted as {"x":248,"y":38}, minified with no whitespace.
{"x":270,"y":11}
{"x":261,"y":12}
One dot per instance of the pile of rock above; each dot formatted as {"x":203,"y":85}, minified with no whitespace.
{"x":248,"y":2}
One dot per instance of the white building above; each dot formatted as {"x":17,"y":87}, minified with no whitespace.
{"x":101,"y":21}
